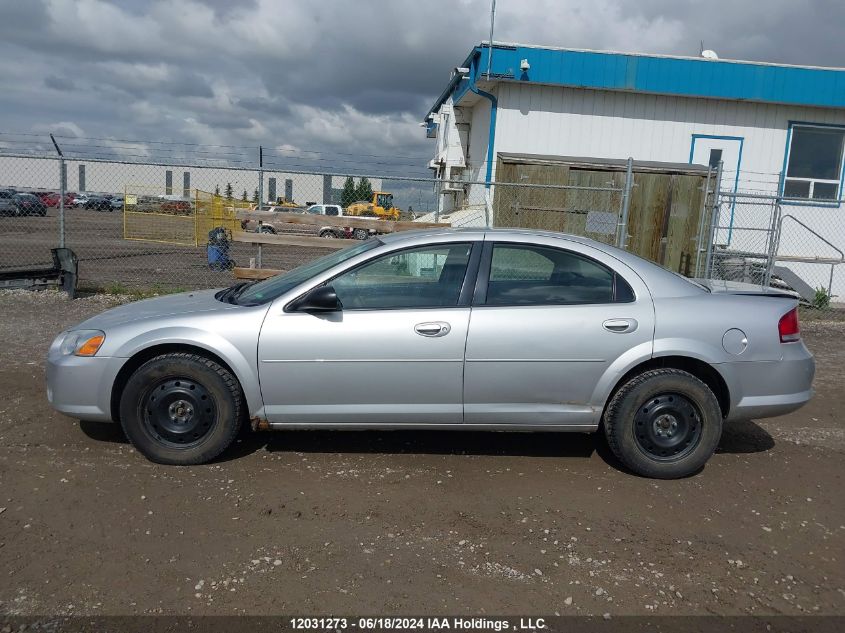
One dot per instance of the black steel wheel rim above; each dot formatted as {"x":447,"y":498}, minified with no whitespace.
{"x":178,"y":412}
{"x":667,"y":427}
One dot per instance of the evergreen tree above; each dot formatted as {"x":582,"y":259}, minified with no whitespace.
{"x":347,"y":195}
{"x":255,"y":196}
{"x":364,"y":191}
{"x":216,"y":190}
{"x":229,"y":191}
{"x":245,"y":196}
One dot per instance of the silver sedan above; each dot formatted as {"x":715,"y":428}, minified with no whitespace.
{"x":446,"y":329}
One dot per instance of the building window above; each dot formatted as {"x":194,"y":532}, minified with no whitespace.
{"x":814,"y":163}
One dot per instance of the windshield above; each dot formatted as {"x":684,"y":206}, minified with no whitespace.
{"x":269,"y":289}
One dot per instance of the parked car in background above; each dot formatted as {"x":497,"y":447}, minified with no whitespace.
{"x":98,"y":202}
{"x":51,"y":198}
{"x":177,"y":207}
{"x":566,"y":334}
{"x":80,"y":200}
{"x":46,"y":196}
{"x":7,"y":207}
{"x":20,"y":204}
{"x":116,"y":203}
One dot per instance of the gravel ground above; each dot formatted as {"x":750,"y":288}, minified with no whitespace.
{"x":409,"y":522}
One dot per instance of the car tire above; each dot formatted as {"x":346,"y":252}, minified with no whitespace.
{"x":664,"y":423}
{"x":329,"y":235}
{"x":360,"y":234}
{"x":181,"y":409}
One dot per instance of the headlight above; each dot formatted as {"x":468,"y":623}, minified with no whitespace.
{"x":82,"y":342}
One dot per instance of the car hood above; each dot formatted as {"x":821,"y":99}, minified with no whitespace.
{"x":171,"y":305}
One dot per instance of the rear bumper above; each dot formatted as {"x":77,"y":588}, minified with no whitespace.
{"x":769,"y":389}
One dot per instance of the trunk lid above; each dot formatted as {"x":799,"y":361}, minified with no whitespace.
{"x":719,"y":286}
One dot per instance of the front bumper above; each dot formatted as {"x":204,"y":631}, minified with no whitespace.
{"x":769,"y":389}
{"x":80,"y":387}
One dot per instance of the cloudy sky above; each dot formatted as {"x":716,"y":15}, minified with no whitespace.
{"x":340,"y":77}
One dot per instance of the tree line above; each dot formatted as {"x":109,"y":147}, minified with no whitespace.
{"x":351,"y":192}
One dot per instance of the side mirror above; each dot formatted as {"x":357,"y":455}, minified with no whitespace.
{"x":319,"y":299}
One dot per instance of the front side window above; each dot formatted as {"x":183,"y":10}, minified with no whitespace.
{"x":814,"y":165}
{"x":539,"y":275}
{"x":274,"y":287}
{"x":425,"y":277}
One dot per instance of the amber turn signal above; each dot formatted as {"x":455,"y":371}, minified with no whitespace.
{"x":91,"y":346}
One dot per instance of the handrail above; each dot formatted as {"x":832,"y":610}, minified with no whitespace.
{"x":833,"y":263}
{"x":789,"y":215}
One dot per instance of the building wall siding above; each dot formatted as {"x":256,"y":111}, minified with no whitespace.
{"x":605,"y":124}
{"x":567,"y":121}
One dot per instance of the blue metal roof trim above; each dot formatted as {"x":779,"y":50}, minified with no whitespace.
{"x":738,"y":81}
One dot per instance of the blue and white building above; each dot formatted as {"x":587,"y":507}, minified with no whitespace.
{"x":778,"y":129}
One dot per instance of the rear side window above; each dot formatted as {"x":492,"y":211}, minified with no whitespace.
{"x":539,"y":275}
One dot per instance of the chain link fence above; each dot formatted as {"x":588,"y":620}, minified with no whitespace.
{"x":146,"y":225}
{"x":774,"y":241}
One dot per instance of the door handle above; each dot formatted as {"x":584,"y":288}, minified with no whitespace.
{"x":433,"y":329}
{"x":620,"y":326}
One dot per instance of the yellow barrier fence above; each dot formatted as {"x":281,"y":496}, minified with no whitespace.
{"x":152,"y":216}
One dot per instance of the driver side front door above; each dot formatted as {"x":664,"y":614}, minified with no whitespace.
{"x":393,"y":355}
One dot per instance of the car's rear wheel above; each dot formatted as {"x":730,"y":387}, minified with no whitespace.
{"x":664,"y":423}
{"x":360,"y":234}
{"x":329,"y":235}
{"x":181,"y":408}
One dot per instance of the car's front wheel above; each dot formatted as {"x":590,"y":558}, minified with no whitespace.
{"x":181,"y":408}
{"x":664,"y":423}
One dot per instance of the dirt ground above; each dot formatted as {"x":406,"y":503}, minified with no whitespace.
{"x":410,"y":522}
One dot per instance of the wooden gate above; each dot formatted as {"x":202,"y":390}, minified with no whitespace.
{"x":665,"y":211}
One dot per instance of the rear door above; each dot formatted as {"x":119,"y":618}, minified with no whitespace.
{"x":548,"y":323}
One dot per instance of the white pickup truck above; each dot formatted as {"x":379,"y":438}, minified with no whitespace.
{"x":339,"y":232}
{"x":330,"y":232}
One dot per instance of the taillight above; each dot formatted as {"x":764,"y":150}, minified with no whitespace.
{"x":788,"y":327}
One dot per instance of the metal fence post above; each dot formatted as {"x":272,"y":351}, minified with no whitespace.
{"x":714,"y":222}
{"x":773,"y":242}
{"x":622,"y":235}
{"x":488,"y":205}
{"x":62,"y":187}
{"x":438,"y":184}
{"x":699,"y":242}
{"x":259,"y":254}
{"x":260,"y":176}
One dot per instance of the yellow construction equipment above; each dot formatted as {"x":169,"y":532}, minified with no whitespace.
{"x":381,"y":206}
{"x":281,"y":201}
